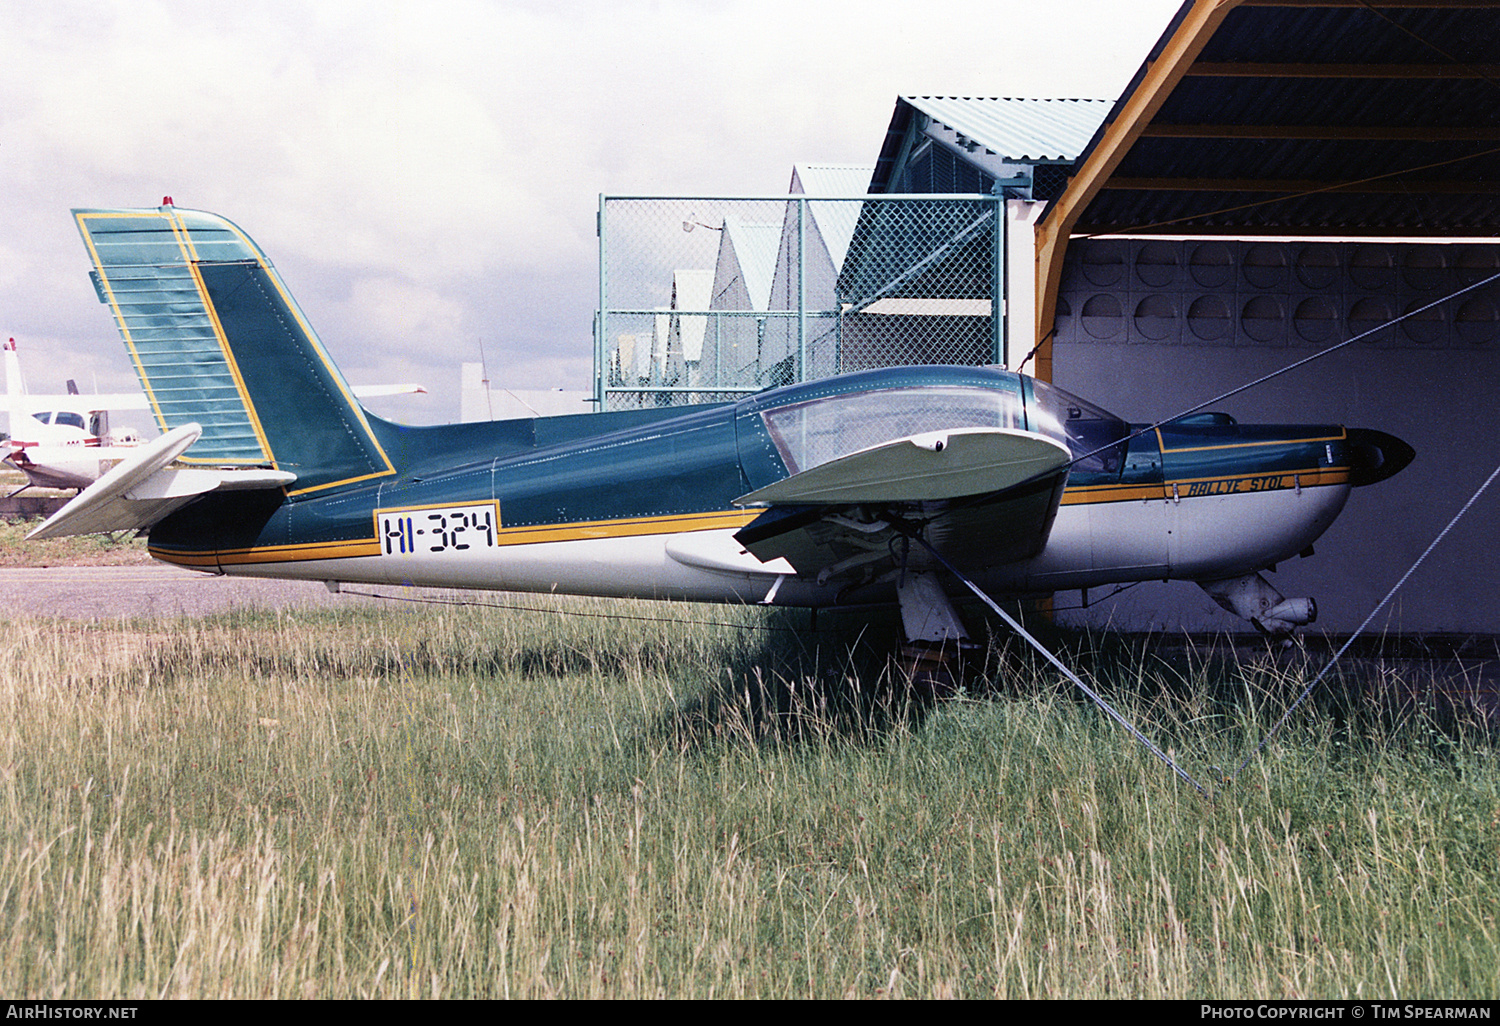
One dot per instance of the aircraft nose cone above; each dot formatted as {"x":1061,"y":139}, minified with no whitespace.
{"x":1375,"y":456}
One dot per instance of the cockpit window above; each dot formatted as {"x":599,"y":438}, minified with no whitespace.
{"x":1095,"y":435}
{"x":818,"y":431}
{"x":69,"y":418}
{"x":811,"y":433}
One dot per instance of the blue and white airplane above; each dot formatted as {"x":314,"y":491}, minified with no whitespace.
{"x":892,"y":485}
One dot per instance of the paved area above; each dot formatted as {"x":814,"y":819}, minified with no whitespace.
{"x":155,"y":589}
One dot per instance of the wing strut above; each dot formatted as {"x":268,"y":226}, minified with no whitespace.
{"x":1093,"y":695}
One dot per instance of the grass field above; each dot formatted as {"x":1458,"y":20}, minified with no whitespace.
{"x":454,"y":802}
{"x":83,"y":550}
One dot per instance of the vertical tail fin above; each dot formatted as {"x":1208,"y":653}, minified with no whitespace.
{"x":218,"y":341}
{"x":14,"y":386}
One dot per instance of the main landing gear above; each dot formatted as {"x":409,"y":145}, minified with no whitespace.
{"x":936,"y":650}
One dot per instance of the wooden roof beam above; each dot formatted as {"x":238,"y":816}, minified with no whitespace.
{"x":1305,"y":230}
{"x":1294,"y":187}
{"x":1247,"y":69}
{"x":1447,"y":5}
{"x":1336,"y":133}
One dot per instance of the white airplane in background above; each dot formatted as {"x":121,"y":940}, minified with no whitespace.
{"x":65,"y":441}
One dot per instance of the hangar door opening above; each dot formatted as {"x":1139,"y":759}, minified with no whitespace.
{"x":1149,"y":327}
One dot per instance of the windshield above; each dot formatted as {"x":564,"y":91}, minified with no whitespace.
{"x":1096,"y":435}
{"x":815,"y":432}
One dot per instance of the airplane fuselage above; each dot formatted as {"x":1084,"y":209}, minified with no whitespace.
{"x":642,"y":504}
{"x":857,"y":488}
{"x":62,"y":449}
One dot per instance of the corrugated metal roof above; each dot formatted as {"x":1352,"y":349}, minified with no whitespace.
{"x":835,"y":221}
{"x":1318,"y":117}
{"x":755,"y":248}
{"x":830,"y":179}
{"x":1018,"y":129}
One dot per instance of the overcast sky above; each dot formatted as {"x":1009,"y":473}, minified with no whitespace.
{"x":426,"y":175}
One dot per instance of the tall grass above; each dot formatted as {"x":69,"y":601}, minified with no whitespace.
{"x":480,"y":803}
{"x":83,"y":550}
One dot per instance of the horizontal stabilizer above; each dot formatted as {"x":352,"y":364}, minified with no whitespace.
{"x":921,"y":468}
{"x":377,"y":391}
{"x":146,"y":488}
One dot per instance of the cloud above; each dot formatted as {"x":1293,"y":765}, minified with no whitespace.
{"x":396,"y":316}
{"x":452,"y":154}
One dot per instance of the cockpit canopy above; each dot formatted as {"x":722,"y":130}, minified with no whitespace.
{"x":1095,"y":437}
{"x":816,"y":431}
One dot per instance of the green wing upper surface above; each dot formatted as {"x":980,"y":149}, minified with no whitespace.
{"x":981,"y":496}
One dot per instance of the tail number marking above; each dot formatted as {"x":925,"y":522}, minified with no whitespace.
{"x":404,"y":532}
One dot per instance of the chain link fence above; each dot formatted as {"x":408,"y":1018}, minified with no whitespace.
{"x":707,"y":299}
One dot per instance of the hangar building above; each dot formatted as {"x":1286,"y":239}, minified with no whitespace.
{"x":1279,"y":177}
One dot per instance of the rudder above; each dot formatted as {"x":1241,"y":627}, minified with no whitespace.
{"x":218,"y":341}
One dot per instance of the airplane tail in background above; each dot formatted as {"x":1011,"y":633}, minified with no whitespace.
{"x":218,"y":341}
{"x":15,"y":388}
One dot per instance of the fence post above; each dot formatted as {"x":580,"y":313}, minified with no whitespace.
{"x":601,"y":323}
{"x":802,"y":289}
{"x":999,"y":308}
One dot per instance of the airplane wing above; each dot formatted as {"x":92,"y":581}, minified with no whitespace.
{"x":984,"y":496}
{"x":145,"y":488}
{"x":32,"y":402}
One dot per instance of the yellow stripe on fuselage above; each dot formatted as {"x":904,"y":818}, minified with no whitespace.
{"x":528,"y":535}
{"x":1091,"y":494}
{"x":722,"y":520}
{"x":632,"y":527}
{"x":1250,"y":444}
{"x":1194,"y":487}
